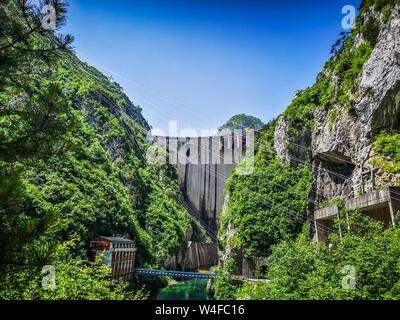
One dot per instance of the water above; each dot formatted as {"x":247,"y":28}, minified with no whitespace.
{"x":188,"y":289}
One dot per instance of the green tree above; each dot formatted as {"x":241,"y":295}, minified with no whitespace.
{"x":33,"y":127}
{"x":302,"y":269}
{"x":242,"y":121}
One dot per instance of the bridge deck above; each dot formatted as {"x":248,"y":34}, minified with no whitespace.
{"x":190,"y":275}
{"x":175,"y":274}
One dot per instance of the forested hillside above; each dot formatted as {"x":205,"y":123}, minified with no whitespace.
{"x":242,"y":121}
{"x":69,"y":170}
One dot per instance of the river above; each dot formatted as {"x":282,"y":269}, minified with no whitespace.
{"x":188,"y":289}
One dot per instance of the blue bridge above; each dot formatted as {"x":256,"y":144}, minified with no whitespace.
{"x":176,"y":274}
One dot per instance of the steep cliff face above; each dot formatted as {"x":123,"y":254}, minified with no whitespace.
{"x":331,"y":128}
{"x":282,"y":136}
{"x":342,"y":135}
{"x":346,"y":142}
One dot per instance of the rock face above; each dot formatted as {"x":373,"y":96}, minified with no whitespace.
{"x":347,"y":146}
{"x":227,"y":252}
{"x":341,"y":147}
{"x":282,"y":137}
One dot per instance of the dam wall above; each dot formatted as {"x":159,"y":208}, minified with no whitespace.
{"x":204,"y":164}
{"x":200,"y":255}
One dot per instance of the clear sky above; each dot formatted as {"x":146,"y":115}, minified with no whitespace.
{"x":199,"y":62}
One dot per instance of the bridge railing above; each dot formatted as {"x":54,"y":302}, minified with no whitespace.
{"x":175,"y":274}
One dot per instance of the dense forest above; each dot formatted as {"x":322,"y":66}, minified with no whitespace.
{"x":72,"y":168}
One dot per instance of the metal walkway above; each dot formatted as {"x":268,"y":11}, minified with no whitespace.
{"x":191,"y":275}
{"x":175,"y":274}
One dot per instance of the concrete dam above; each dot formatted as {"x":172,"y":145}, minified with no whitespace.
{"x":204,"y":165}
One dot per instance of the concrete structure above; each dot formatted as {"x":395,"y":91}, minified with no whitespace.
{"x":204,"y":164}
{"x":119,"y":255}
{"x":381,"y":205}
{"x":200,"y":255}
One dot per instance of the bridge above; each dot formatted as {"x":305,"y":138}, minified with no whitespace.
{"x":175,"y":274}
{"x":191,"y":275}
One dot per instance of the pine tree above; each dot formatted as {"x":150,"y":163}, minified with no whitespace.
{"x":34,"y":127}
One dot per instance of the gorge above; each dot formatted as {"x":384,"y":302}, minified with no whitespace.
{"x":290,"y":207}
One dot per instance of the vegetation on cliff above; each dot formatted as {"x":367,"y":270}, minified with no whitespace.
{"x":387,"y":148}
{"x":360,"y":265}
{"x":264,"y":207}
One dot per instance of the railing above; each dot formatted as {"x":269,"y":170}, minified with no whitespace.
{"x":175,"y":274}
{"x":191,"y":275}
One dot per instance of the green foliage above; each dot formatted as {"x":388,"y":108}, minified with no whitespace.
{"x":225,"y":289}
{"x":378,"y":5}
{"x":348,"y":68}
{"x":387,"y":14}
{"x":335,"y":202}
{"x":370,"y":31}
{"x":347,"y":64}
{"x":242,"y":121}
{"x":300,"y":114}
{"x":253,"y":200}
{"x":301,"y":269}
{"x":388,"y":149}
{"x":298,"y":267}
{"x":231,"y":266}
{"x":74,"y":280}
{"x":68,"y":168}
{"x":34,"y":126}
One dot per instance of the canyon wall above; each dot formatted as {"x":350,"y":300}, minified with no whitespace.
{"x":343,"y":136}
{"x":332,"y":128}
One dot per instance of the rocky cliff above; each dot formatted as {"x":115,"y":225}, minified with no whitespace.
{"x":332,"y":128}
{"x":344,"y":130}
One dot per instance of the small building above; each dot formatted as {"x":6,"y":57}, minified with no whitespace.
{"x":120,"y":254}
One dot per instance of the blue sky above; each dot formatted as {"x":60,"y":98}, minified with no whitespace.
{"x":201,"y":62}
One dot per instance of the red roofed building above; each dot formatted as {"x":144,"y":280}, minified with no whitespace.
{"x":119,"y":253}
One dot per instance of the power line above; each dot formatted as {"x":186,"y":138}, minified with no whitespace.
{"x":212,"y":138}
{"x":143,"y":157}
{"x":135,"y":144}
